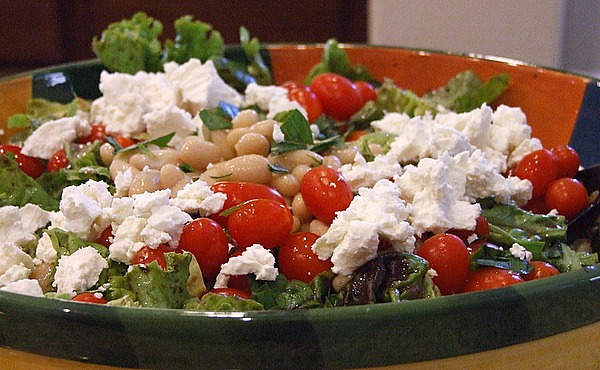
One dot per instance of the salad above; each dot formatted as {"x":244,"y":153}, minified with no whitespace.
{"x":193,"y":182}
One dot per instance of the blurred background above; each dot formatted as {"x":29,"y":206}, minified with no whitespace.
{"x":561,"y":34}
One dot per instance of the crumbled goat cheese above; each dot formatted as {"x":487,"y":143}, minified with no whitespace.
{"x":25,"y":286}
{"x":527,"y":146}
{"x":198,"y":197}
{"x":518,"y":251}
{"x":51,"y":136}
{"x":366,"y":174}
{"x":354,"y":235}
{"x":436,"y":188}
{"x":45,"y":251}
{"x":18,"y":226}
{"x":82,"y":209}
{"x":278,"y":135}
{"x":123,"y":181}
{"x":254,"y":260}
{"x":161,"y":122}
{"x":14,"y":264}
{"x":33,"y":217}
{"x":199,"y":86}
{"x":274,"y":99}
{"x":78,"y":271}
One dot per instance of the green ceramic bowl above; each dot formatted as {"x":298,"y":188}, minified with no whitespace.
{"x":561,"y":107}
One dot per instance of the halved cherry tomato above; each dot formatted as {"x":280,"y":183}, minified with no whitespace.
{"x":568,"y":196}
{"x":207,"y":241}
{"x":308,"y":100}
{"x":567,"y":160}
{"x":97,"y":132}
{"x":296,"y":259}
{"x":239,"y":192}
{"x":231,"y":292}
{"x":447,"y":254}
{"x":325,"y":191}
{"x":490,"y":278}
{"x":366,"y":90}
{"x":89,"y":297}
{"x":338,"y":95}
{"x":540,"y":168}
{"x":32,"y":166}
{"x":260,"y":221}
{"x":146,"y":255}
{"x":541,"y":269}
{"x":57,"y":161}
{"x":105,"y":237}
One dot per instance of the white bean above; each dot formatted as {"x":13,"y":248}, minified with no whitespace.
{"x":156,"y":160}
{"x":299,"y":209}
{"x":145,"y":181}
{"x":107,"y":154}
{"x":245,"y":118}
{"x":295,"y":158}
{"x":318,"y":227}
{"x":332,"y":161}
{"x":249,"y":168}
{"x":345,"y":155}
{"x":265,"y":128}
{"x":252,"y":143}
{"x":199,"y":153}
{"x":219,"y":137}
{"x":170,"y":175}
{"x":286,"y":184}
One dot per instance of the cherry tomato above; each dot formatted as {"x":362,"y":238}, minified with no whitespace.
{"x":231,"y":292}
{"x":540,"y":168}
{"x":207,"y":241}
{"x":57,"y":161}
{"x":308,"y":100}
{"x":541,"y":269}
{"x":449,"y":257}
{"x":490,"y":278}
{"x":291,"y":85}
{"x":296,"y":259}
{"x":568,"y":196}
{"x":239,"y":192}
{"x":147,"y":254}
{"x":89,"y":297}
{"x":125,"y":142}
{"x":366,"y":90}
{"x":325,"y":191}
{"x":567,"y":160}
{"x":338,"y":95}
{"x":537,"y":206}
{"x":355,"y":135}
{"x":32,"y":166}
{"x":260,"y":221}
{"x":98,"y":132}
{"x":482,"y":230}
{"x":105,"y":237}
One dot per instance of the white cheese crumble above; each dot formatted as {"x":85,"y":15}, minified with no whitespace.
{"x":25,"y":286}
{"x":52,"y":135}
{"x":518,"y":251}
{"x":254,"y":260}
{"x":161,"y":122}
{"x":14,"y":264}
{"x":354,"y":235}
{"x":78,"y":271}
{"x":198,"y":197}
{"x":366,"y":174}
{"x":45,"y":251}
{"x":272,"y":98}
{"x":18,"y":225}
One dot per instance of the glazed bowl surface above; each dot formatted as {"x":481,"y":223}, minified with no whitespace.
{"x":459,"y":330}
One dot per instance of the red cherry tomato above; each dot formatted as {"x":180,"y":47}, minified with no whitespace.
{"x":98,"y":132}
{"x":308,"y":100}
{"x":89,"y":297}
{"x":490,"y":278}
{"x":207,"y":241}
{"x":260,"y":221}
{"x":296,"y":259}
{"x":482,"y":230}
{"x":366,"y":90}
{"x":105,"y":237}
{"x":57,"y":161}
{"x":338,"y":95}
{"x":231,"y":292}
{"x":146,"y":255}
{"x":541,"y":269}
{"x":537,"y":206}
{"x":355,"y":135}
{"x":125,"y":142}
{"x":449,"y":257}
{"x":568,"y":196}
{"x":239,"y":192}
{"x":32,"y":166}
{"x":325,"y":191}
{"x":291,"y":85}
{"x":540,"y":168}
{"x":567,"y":160}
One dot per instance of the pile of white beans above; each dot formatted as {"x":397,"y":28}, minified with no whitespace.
{"x":237,"y":154}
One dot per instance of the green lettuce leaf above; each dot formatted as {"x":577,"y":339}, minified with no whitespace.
{"x":195,"y":39}
{"x":218,"y":302}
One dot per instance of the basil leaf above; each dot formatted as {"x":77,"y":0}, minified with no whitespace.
{"x":277,"y":168}
{"x":161,"y":142}
{"x":214,"y":121}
